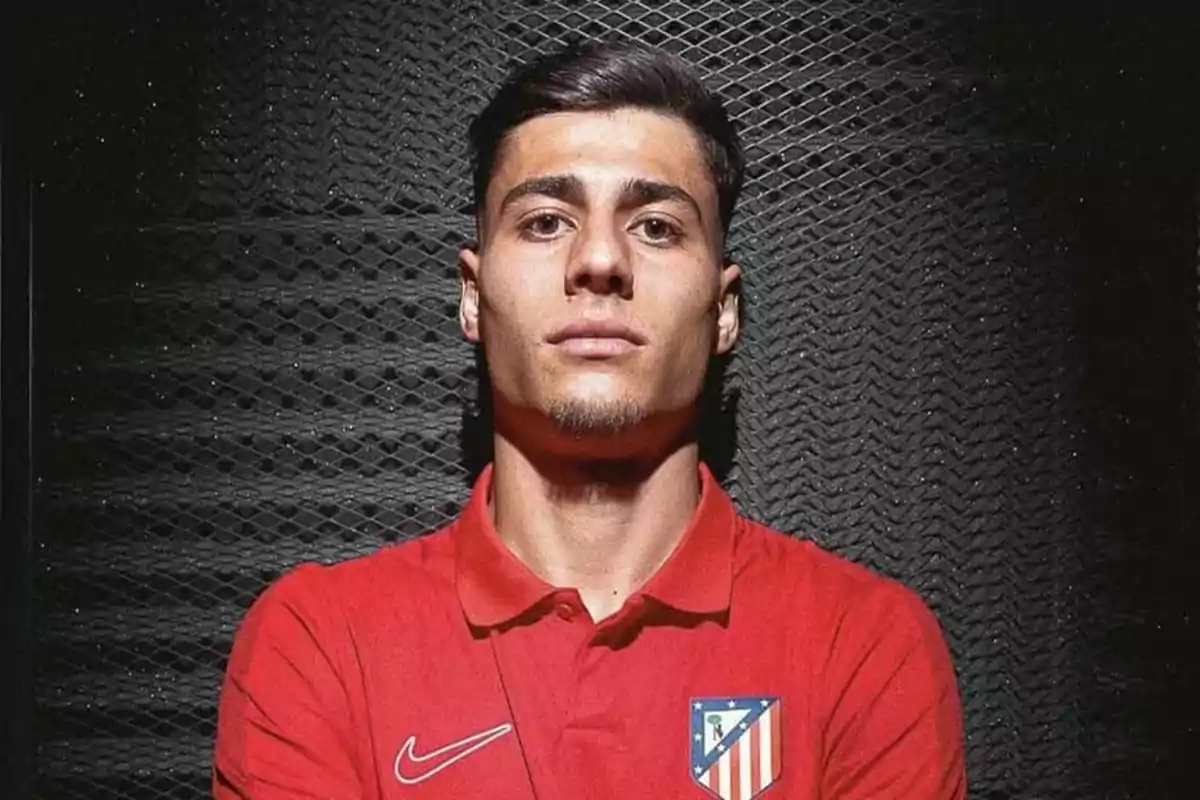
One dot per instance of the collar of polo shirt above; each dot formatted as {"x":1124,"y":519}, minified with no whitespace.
{"x":495,"y":587}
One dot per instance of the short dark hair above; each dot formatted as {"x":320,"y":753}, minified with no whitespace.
{"x":604,"y":76}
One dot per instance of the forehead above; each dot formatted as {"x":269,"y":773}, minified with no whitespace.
{"x":602,"y":146}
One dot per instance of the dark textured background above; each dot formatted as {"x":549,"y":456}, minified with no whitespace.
{"x":970,"y":356}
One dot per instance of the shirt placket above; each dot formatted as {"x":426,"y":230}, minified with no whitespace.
{"x":593,"y":747}
{"x":539,"y":670}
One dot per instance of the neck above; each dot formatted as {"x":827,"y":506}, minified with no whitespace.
{"x":602,"y":527}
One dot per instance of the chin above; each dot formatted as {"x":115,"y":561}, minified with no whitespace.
{"x":596,"y":416}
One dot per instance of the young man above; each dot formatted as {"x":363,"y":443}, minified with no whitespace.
{"x":599,"y":622}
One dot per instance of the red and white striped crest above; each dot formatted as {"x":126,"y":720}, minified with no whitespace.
{"x":736,"y":745}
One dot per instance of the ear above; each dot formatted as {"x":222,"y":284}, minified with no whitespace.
{"x":728,"y":311}
{"x":468,"y":301}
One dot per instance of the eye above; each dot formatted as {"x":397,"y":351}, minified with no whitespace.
{"x":543,"y":226}
{"x":657,"y":230}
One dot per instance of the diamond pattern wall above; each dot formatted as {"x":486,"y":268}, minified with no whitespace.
{"x":248,"y":355}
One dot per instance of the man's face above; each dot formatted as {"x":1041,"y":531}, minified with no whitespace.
{"x":599,"y":290}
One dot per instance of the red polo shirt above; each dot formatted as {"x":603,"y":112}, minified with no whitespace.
{"x":751,"y":663}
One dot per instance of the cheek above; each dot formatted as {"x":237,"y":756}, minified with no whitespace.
{"x":507,"y":297}
{"x":685,"y":310}
{"x":688,"y":339}
{"x":515,"y":278}
{"x":514,"y":308}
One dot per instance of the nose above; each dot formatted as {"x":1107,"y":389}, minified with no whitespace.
{"x":599,"y":262}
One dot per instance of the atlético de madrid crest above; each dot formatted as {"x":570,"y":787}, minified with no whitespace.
{"x":736,"y":745}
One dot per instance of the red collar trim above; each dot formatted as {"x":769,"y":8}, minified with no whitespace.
{"x":494,"y":586}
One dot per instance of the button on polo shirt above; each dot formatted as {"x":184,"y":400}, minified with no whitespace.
{"x":589,"y":697}
{"x":496,"y":588}
{"x":750,"y":662}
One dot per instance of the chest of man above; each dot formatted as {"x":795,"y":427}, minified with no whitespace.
{"x":651,"y":703}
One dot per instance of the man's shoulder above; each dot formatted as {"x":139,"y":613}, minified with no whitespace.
{"x":394,"y":575}
{"x":810,"y":572}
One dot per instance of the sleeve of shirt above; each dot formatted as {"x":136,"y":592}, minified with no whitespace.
{"x":893,"y":720}
{"x":283,"y":726}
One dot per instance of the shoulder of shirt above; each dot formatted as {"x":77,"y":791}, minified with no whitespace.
{"x":394,"y":575}
{"x":842,"y":585}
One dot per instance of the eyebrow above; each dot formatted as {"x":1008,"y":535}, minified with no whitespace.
{"x":569,"y":189}
{"x":640,"y":192}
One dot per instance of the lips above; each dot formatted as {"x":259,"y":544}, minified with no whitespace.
{"x":596,"y":339}
{"x":597,"y":330}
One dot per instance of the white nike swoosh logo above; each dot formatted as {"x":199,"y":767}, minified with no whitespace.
{"x":449,"y":755}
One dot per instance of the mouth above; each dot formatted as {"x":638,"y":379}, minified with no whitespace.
{"x":596,"y":339}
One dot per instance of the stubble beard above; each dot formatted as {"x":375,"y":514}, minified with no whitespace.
{"x":585,"y":419}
